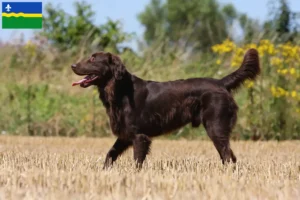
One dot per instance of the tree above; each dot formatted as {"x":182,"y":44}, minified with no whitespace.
{"x":196,"y":24}
{"x":283,"y":23}
{"x":154,"y":20}
{"x":283,"y":20}
{"x":72,"y":32}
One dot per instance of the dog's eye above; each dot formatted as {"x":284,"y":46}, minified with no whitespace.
{"x":92,"y":59}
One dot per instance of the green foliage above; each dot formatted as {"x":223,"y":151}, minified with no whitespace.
{"x":51,"y":113}
{"x":72,"y":32}
{"x":283,"y":18}
{"x":195,"y":24}
{"x":154,"y":20}
{"x":283,"y":24}
{"x":38,"y":98}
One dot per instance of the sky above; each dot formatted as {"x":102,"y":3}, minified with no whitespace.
{"x":127,"y":10}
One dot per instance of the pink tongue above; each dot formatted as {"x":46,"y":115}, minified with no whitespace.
{"x":79,"y":82}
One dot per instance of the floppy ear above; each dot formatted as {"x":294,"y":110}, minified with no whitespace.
{"x":118,"y":67}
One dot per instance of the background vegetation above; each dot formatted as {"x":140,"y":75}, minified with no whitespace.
{"x":182,"y":39}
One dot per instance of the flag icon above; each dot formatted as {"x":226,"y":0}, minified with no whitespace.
{"x":22,"y":15}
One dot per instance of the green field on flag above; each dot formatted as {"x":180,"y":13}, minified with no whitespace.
{"x":22,"y":22}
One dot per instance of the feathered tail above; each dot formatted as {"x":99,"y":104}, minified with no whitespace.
{"x":248,"y":70}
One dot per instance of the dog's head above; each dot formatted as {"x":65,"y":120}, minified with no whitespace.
{"x":98,"y":69}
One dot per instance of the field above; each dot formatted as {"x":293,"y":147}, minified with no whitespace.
{"x":64,"y":168}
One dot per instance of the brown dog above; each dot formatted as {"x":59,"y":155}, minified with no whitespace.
{"x":140,"y":109}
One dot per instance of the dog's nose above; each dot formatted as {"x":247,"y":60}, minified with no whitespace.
{"x":73,"y":66}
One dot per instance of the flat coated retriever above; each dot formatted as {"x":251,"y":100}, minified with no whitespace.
{"x":140,"y":109}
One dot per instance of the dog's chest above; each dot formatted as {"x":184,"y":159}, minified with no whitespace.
{"x":121,"y":119}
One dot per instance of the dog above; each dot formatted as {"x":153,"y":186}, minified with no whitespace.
{"x":139,"y":110}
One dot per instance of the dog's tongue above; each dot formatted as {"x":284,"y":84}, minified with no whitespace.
{"x":79,"y":82}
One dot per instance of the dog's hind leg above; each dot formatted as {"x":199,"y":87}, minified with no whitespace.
{"x":219,"y":117}
{"x":223,"y":147}
{"x":117,"y":149}
{"x":141,"y":147}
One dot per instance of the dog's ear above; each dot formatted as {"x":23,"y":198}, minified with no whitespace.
{"x":118,"y":67}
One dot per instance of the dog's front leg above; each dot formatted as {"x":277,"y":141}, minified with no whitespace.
{"x":141,"y":147}
{"x":117,"y":149}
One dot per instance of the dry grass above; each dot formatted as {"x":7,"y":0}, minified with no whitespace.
{"x":62,"y":168}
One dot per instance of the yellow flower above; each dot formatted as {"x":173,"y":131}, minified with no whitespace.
{"x":266,"y":47}
{"x":292,"y":71}
{"x":282,"y":71}
{"x":238,"y":57}
{"x":289,"y":51}
{"x":249,"y":84}
{"x":251,"y":46}
{"x":294,"y":94}
{"x":226,"y":47}
{"x":276,"y":61}
{"x":273,"y":90}
{"x":279,"y":92}
{"x":218,"y":62}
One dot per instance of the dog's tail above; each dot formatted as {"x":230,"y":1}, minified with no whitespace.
{"x":248,"y":70}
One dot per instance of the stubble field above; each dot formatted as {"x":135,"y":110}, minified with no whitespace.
{"x":64,"y":168}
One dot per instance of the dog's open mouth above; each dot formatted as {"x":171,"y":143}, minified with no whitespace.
{"x":86,"y":81}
